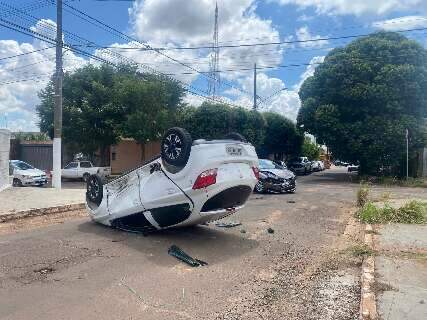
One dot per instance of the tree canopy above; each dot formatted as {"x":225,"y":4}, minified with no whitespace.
{"x":363,"y":97}
{"x":102,"y":104}
{"x":269,"y":132}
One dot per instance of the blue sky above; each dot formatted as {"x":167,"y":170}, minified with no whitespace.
{"x":177,"y":23}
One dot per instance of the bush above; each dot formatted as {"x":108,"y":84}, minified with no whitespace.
{"x":362,"y":195}
{"x":414,"y":212}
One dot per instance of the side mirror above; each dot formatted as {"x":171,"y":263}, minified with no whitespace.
{"x":155,"y":167}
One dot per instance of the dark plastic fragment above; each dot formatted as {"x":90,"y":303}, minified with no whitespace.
{"x":229,"y":224}
{"x":181,"y":255}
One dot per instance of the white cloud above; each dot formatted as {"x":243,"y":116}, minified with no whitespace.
{"x":279,"y":98}
{"x":309,"y":71}
{"x":357,"y":7}
{"x":18,"y":99}
{"x":402,"y":23}
{"x":303,"y":34}
{"x":190,"y":23}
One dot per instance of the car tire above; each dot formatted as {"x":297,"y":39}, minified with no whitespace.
{"x":176,"y":147}
{"x":16,"y":182}
{"x":86,"y":177}
{"x":259,"y":187}
{"x":94,"y":189}
{"x":235,"y":136}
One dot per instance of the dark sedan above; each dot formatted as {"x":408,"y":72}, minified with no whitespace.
{"x":274,"y":177}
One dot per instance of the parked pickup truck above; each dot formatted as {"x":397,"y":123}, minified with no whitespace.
{"x":83,"y":170}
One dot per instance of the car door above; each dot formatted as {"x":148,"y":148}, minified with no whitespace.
{"x":85,"y":166}
{"x":70,"y":170}
{"x":166,"y":203}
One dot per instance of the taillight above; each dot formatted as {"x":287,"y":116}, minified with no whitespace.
{"x":205,"y":179}
{"x":256,"y":172}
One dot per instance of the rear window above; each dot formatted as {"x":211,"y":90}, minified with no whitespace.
{"x":85,"y":164}
{"x":71,"y":165}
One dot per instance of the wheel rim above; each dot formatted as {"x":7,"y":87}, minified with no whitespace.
{"x":93,"y":189}
{"x":259,"y":187}
{"x":172,"y":146}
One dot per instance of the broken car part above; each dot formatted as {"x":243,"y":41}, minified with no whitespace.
{"x":181,"y":255}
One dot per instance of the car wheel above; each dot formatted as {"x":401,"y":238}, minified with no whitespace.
{"x":235,"y":136}
{"x":94,"y":189}
{"x":86,"y":177}
{"x":176,"y":147}
{"x":17,"y":183}
{"x":259,"y":187}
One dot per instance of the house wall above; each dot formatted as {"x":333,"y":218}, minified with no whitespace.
{"x":127,"y":155}
{"x":4,"y":158}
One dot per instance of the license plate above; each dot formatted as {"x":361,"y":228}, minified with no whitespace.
{"x":234,"y":150}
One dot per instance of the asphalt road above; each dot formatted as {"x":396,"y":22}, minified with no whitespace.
{"x":76,"y":269}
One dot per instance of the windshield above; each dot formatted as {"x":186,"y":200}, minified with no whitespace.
{"x":268,"y":164}
{"x":21,"y":165}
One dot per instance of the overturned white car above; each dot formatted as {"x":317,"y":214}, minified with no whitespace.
{"x":189,"y":183}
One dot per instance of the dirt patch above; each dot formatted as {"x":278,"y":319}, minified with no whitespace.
{"x":30,"y":223}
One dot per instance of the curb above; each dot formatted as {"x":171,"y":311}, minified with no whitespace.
{"x":368,"y":306}
{"x":40,"y":212}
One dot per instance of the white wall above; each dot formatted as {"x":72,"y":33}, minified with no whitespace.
{"x":4,"y":158}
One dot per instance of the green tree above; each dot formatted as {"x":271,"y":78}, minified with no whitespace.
{"x":91,"y":117}
{"x":150,"y":107}
{"x":310,"y":149}
{"x":102,"y":104}
{"x":362,"y":98}
{"x":281,"y":137}
{"x":270,"y":133}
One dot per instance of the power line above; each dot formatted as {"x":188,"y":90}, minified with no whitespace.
{"x":245,"y":45}
{"x":25,"y":53}
{"x":41,"y":37}
{"x":146,"y":46}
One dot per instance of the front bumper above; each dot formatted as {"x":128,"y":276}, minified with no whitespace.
{"x":280,"y":186}
{"x":34,"y":181}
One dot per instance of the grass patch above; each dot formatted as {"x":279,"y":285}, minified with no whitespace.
{"x":360,"y":251}
{"x":371,"y":232}
{"x":363,"y":195}
{"x":394,"y":181}
{"x":414,"y":212}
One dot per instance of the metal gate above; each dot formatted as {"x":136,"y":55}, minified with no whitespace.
{"x":38,"y":155}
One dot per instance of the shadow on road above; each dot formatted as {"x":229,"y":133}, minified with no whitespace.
{"x":202,"y":242}
{"x":333,"y":176}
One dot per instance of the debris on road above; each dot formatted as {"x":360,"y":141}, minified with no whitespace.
{"x":181,"y":255}
{"x":270,"y":230}
{"x":243,"y":231}
{"x":230,"y":224}
{"x":291,"y":201}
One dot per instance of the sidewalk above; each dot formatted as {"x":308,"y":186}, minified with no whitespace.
{"x":401,"y":271}
{"x":27,"y":198}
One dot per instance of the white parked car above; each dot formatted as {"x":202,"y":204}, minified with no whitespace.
{"x":83,"y":170}
{"x":190,"y":183}
{"x":318,"y":165}
{"x":25,"y":174}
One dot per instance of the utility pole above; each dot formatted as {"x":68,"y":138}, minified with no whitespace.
{"x":407,"y":154}
{"x":57,"y":114}
{"x":255,"y":102}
